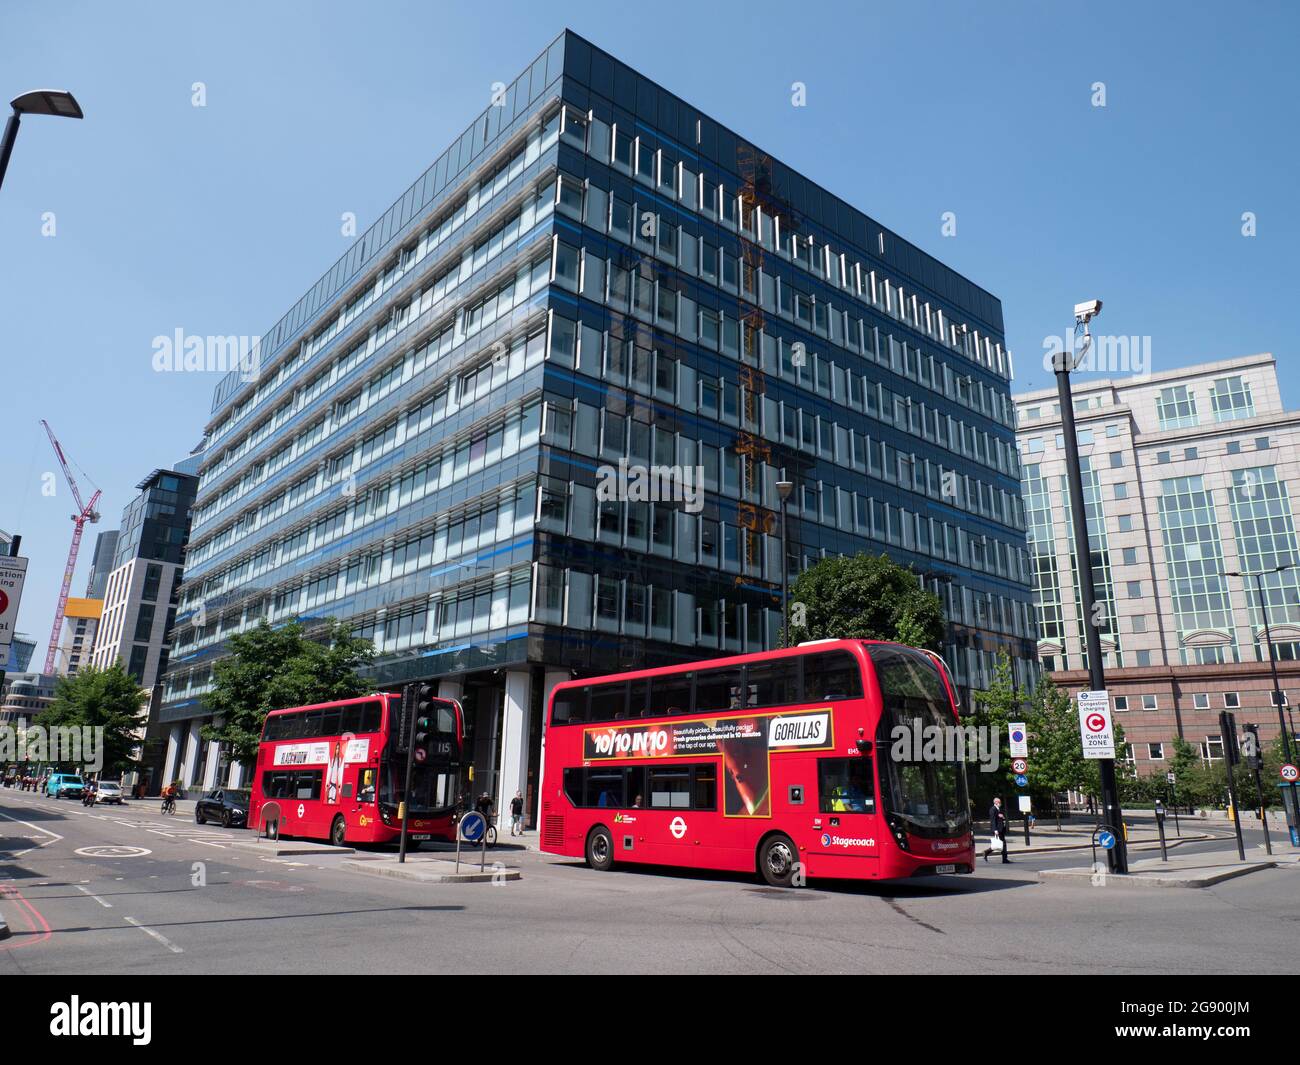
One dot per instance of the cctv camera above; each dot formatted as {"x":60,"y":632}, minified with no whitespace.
{"x":1085,"y":312}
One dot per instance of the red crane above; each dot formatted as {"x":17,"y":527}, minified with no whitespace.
{"x":85,"y":512}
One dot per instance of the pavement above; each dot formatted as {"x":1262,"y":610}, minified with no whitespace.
{"x":122,"y":891}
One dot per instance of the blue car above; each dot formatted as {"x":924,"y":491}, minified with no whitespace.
{"x":65,"y":786}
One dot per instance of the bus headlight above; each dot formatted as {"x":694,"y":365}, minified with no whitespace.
{"x":899,"y":830}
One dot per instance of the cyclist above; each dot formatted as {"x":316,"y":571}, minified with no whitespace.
{"x":169,"y":799}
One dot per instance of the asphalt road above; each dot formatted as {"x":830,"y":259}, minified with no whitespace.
{"x":184,"y":900}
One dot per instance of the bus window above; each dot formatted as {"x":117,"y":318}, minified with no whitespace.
{"x":307,"y":784}
{"x":366,"y":785}
{"x":609,"y":702}
{"x":717,"y":689}
{"x":371,"y":717}
{"x":350,"y":721}
{"x":706,"y":787}
{"x":605,"y":787}
{"x":637,"y":692}
{"x":570,"y":706}
{"x":670,"y":788}
{"x":670,"y":694}
{"x":772,"y":683}
{"x":831,"y":675}
{"x":844,"y":786}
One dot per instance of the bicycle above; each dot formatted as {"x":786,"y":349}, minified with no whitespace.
{"x":169,"y":804}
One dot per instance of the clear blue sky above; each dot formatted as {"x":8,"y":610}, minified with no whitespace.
{"x":216,"y":219}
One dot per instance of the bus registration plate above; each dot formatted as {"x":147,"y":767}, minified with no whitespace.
{"x":945,"y":868}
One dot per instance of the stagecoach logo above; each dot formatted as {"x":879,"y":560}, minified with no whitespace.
{"x":946,"y":846}
{"x":806,"y":730}
{"x":846,"y":841}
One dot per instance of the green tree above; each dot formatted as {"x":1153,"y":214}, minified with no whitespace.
{"x":1056,"y":762}
{"x":108,"y":699}
{"x":269,"y":668}
{"x":864,"y":597}
{"x":995,"y":707}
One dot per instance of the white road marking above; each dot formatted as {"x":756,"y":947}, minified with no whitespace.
{"x":44,"y":831}
{"x":160,"y":832}
{"x":156,"y":935}
{"x":86,"y":891}
{"x":206,"y":843}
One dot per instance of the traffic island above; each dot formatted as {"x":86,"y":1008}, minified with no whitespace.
{"x":428,"y":869}
{"x":1181,"y":871}
{"x":275,"y":848}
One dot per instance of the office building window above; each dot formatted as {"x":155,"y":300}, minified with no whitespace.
{"x":1232,"y":700}
{"x":1121,"y":702}
{"x":1201,"y":701}
{"x":1231,"y":399}
{"x":1156,"y":752}
{"x":1130,"y":556}
{"x":1176,"y":407}
{"x":1121,"y":491}
{"x":1150,"y":702}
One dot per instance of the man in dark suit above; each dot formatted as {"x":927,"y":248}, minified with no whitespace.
{"x":998,"y":827}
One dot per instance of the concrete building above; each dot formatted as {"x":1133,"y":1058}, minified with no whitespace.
{"x":1189,"y":475}
{"x":597,"y":273}
{"x":141,"y":593}
{"x":25,"y":696}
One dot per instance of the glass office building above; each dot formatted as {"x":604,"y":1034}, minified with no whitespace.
{"x":531,"y":424}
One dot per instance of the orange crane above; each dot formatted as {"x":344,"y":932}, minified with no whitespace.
{"x":86,"y":512}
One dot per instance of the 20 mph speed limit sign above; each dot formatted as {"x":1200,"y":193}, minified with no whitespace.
{"x":1094,"y":725}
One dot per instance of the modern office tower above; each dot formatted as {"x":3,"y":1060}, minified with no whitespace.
{"x":530,"y":425}
{"x":142,"y":590}
{"x":25,"y":696}
{"x":1189,"y":475}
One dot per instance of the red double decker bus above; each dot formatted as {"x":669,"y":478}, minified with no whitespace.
{"x":337,"y":771}
{"x":780,"y":762}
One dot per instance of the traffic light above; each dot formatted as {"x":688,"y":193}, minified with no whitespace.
{"x":423,"y":739}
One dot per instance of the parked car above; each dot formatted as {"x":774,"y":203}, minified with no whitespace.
{"x":64,"y":786}
{"x":228,"y":806}
{"x":109,"y":791}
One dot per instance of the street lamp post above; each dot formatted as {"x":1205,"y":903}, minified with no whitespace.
{"x":1278,"y":702}
{"x":38,"y":102}
{"x":1117,"y":856}
{"x":784,"y":490}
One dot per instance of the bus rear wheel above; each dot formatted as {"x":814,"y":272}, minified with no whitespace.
{"x":338,"y":831}
{"x":778,"y":858}
{"x":600,"y":849}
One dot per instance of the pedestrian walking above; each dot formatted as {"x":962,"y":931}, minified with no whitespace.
{"x":517,"y":814}
{"x":998,"y":828}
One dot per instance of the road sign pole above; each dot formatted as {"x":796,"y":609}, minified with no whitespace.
{"x":1228,"y":732}
{"x":1160,"y":827}
{"x":1117,"y":858}
{"x":1263,"y":814}
{"x":406,"y":792}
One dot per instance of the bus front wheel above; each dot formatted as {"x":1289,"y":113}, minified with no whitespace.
{"x":778,"y":858}
{"x":338,"y":832}
{"x":600,"y":850}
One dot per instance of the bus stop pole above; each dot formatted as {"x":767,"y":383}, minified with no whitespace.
{"x":1263,"y":813}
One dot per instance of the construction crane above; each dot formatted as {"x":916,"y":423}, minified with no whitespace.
{"x":86,"y":512}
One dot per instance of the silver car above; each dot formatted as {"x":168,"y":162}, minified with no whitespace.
{"x":109,"y":791}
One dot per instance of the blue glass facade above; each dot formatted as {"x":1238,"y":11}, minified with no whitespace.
{"x":598,"y":274}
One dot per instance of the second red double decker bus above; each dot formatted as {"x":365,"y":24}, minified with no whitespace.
{"x":338,"y":771}
{"x":782,"y":762}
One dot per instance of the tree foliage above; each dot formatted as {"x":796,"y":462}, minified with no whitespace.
{"x":270,"y":668}
{"x":864,"y":597}
{"x":108,"y":699}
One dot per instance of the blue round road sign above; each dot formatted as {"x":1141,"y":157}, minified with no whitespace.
{"x":1107,"y":840}
{"x":472,"y":826}
{"x":1021,"y":780}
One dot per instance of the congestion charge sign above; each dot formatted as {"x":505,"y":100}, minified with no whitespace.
{"x":1095,"y":731}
